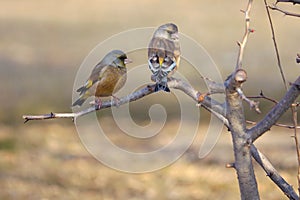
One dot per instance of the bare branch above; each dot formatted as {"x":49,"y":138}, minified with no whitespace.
{"x":253,"y":104}
{"x":275,"y":7}
{"x":275,"y":45}
{"x":241,"y":141}
{"x":276,"y":124}
{"x":291,"y":1}
{"x":237,"y":123}
{"x":209,"y":104}
{"x":48,"y":116}
{"x":105,"y":104}
{"x":273,"y":174}
{"x":275,"y":113}
{"x":245,"y":37}
{"x":294,"y":113}
{"x":262,"y":96}
{"x":214,"y":87}
{"x":296,"y":104}
{"x":230,"y":165}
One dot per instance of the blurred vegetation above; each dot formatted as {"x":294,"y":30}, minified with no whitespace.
{"x":42,"y":44}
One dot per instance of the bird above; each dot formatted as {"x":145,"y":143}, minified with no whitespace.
{"x":107,"y":77}
{"x":164,"y":55}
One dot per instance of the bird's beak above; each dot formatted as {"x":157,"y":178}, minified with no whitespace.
{"x":175,"y":36}
{"x":160,"y":60}
{"x":127,"y":61}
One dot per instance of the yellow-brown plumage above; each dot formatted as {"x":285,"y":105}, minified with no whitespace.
{"x":108,"y":76}
{"x":164,"y":54}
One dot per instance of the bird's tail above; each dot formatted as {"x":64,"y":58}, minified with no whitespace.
{"x":84,"y":89}
{"x":80,"y":100}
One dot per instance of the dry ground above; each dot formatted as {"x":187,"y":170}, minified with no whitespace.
{"x":48,"y":161}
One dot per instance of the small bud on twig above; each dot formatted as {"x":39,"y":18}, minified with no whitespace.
{"x":230,"y":165}
{"x":240,"y":76}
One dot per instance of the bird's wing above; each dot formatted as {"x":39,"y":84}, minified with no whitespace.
{"x":98,"y":72}
{"x":95,"y":76}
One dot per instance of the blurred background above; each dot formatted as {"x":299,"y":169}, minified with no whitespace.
{"x":42,"y":45}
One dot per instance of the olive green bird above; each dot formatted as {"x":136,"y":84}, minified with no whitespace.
{"x":107,"y":77}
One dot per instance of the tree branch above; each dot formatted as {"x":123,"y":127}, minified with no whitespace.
{"x":214,"y":87}
{"x":241,"y":141}
{"x":273,"y":174}
{"x":291,"y":1}
{"x":105,"y":104}
{"x":275,"y":113}
{"x":209,"y":104}
{"x":276,"y":124}
{"x":262,"y":96}
{"x":295,"y":117}
{"x":253,"y":104}
{"x":275,"y":45}
{"x":245,"y":37}
{"x":275,"y":7}
{"x":237,"y":123}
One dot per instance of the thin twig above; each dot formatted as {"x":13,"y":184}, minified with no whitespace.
{"x":253,"y":104}
{"x":245,"y":37}
{"x":230,"y":165}
{"x":275,"y":113}
{"x":262,"y":96}
{"x":274,"y":7}
{"x":275,"y":45}
{"x":293,"y":109}
{"x":273,"y":174}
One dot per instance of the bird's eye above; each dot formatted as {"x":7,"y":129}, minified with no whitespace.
{"x":123,"y":57}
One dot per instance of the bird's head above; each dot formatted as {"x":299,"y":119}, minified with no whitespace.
{"x":117,"y":58}
{"x":168,"y":31}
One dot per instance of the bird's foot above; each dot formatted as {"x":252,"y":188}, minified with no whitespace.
{"x":116,"y":101}
{"x":163,"y":87}
{"x":97,"y":103}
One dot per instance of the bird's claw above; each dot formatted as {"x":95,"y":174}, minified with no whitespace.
{"x":97,"y":103}
{"x":116,"y":101}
